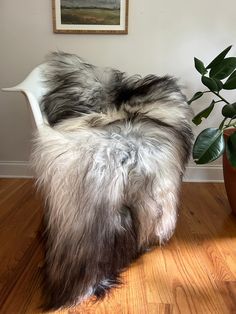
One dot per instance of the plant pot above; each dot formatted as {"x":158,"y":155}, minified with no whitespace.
{"x":229,"y":176}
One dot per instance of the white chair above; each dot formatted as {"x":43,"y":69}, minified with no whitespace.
{"x":33,"y":88}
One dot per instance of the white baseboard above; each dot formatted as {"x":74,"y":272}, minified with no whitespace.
{"x":21,"y":169}
{"x":204,"y":174}
{"x":15,"y":169}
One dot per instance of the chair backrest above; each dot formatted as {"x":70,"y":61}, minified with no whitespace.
{"x":34,"y":89}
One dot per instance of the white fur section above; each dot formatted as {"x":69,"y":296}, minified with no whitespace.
{"x":153,"y":158}
{"x":169,"y":112}
{"x":61,"y":161}
{"x":167,"y":179}
{"x":64,"y":154}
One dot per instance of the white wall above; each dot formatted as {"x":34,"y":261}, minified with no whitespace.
{"x":164,"y":36}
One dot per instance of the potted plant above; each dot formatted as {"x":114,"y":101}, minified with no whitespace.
{"x":213,"y":142}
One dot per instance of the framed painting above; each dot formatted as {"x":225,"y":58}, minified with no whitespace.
{"x":90,"y":16}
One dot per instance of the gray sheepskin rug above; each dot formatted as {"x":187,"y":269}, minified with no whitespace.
{"x":109,"y":163}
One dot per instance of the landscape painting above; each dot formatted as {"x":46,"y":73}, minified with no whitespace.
{"x":90,"y":12}
{"x":90,"y":16}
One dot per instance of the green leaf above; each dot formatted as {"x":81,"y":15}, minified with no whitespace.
{"x":219,"y":58}
{"x":199,"y":66}
{"x":229,"y":111}
{"x":208,"y":146}
{"x":210,"y":83}
{"x":219,"y":84}
{"x":195,"y":97}
{"x":224,"y":69}
{"x":231,"y":149}
{"x":203,"y":114}
{"x":231,"y":82}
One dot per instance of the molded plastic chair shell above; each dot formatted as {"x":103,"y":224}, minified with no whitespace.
{"x":33,"y":88}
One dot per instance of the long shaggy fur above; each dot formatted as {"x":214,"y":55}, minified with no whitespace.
{"x":110,"y":166}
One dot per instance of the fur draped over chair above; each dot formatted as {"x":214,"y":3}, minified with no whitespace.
{"x":110,"y":164}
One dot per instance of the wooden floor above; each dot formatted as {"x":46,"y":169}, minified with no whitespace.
{"x":194,"y":273}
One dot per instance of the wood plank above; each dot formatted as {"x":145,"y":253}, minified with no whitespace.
{"x":194,"y":273}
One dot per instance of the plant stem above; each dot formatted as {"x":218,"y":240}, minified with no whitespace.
{"x":222,"y":98}
{"x":229,"y":125}
{"x":221,"y":127}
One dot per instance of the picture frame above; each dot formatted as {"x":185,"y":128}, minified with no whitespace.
{"x":90,"y":17}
